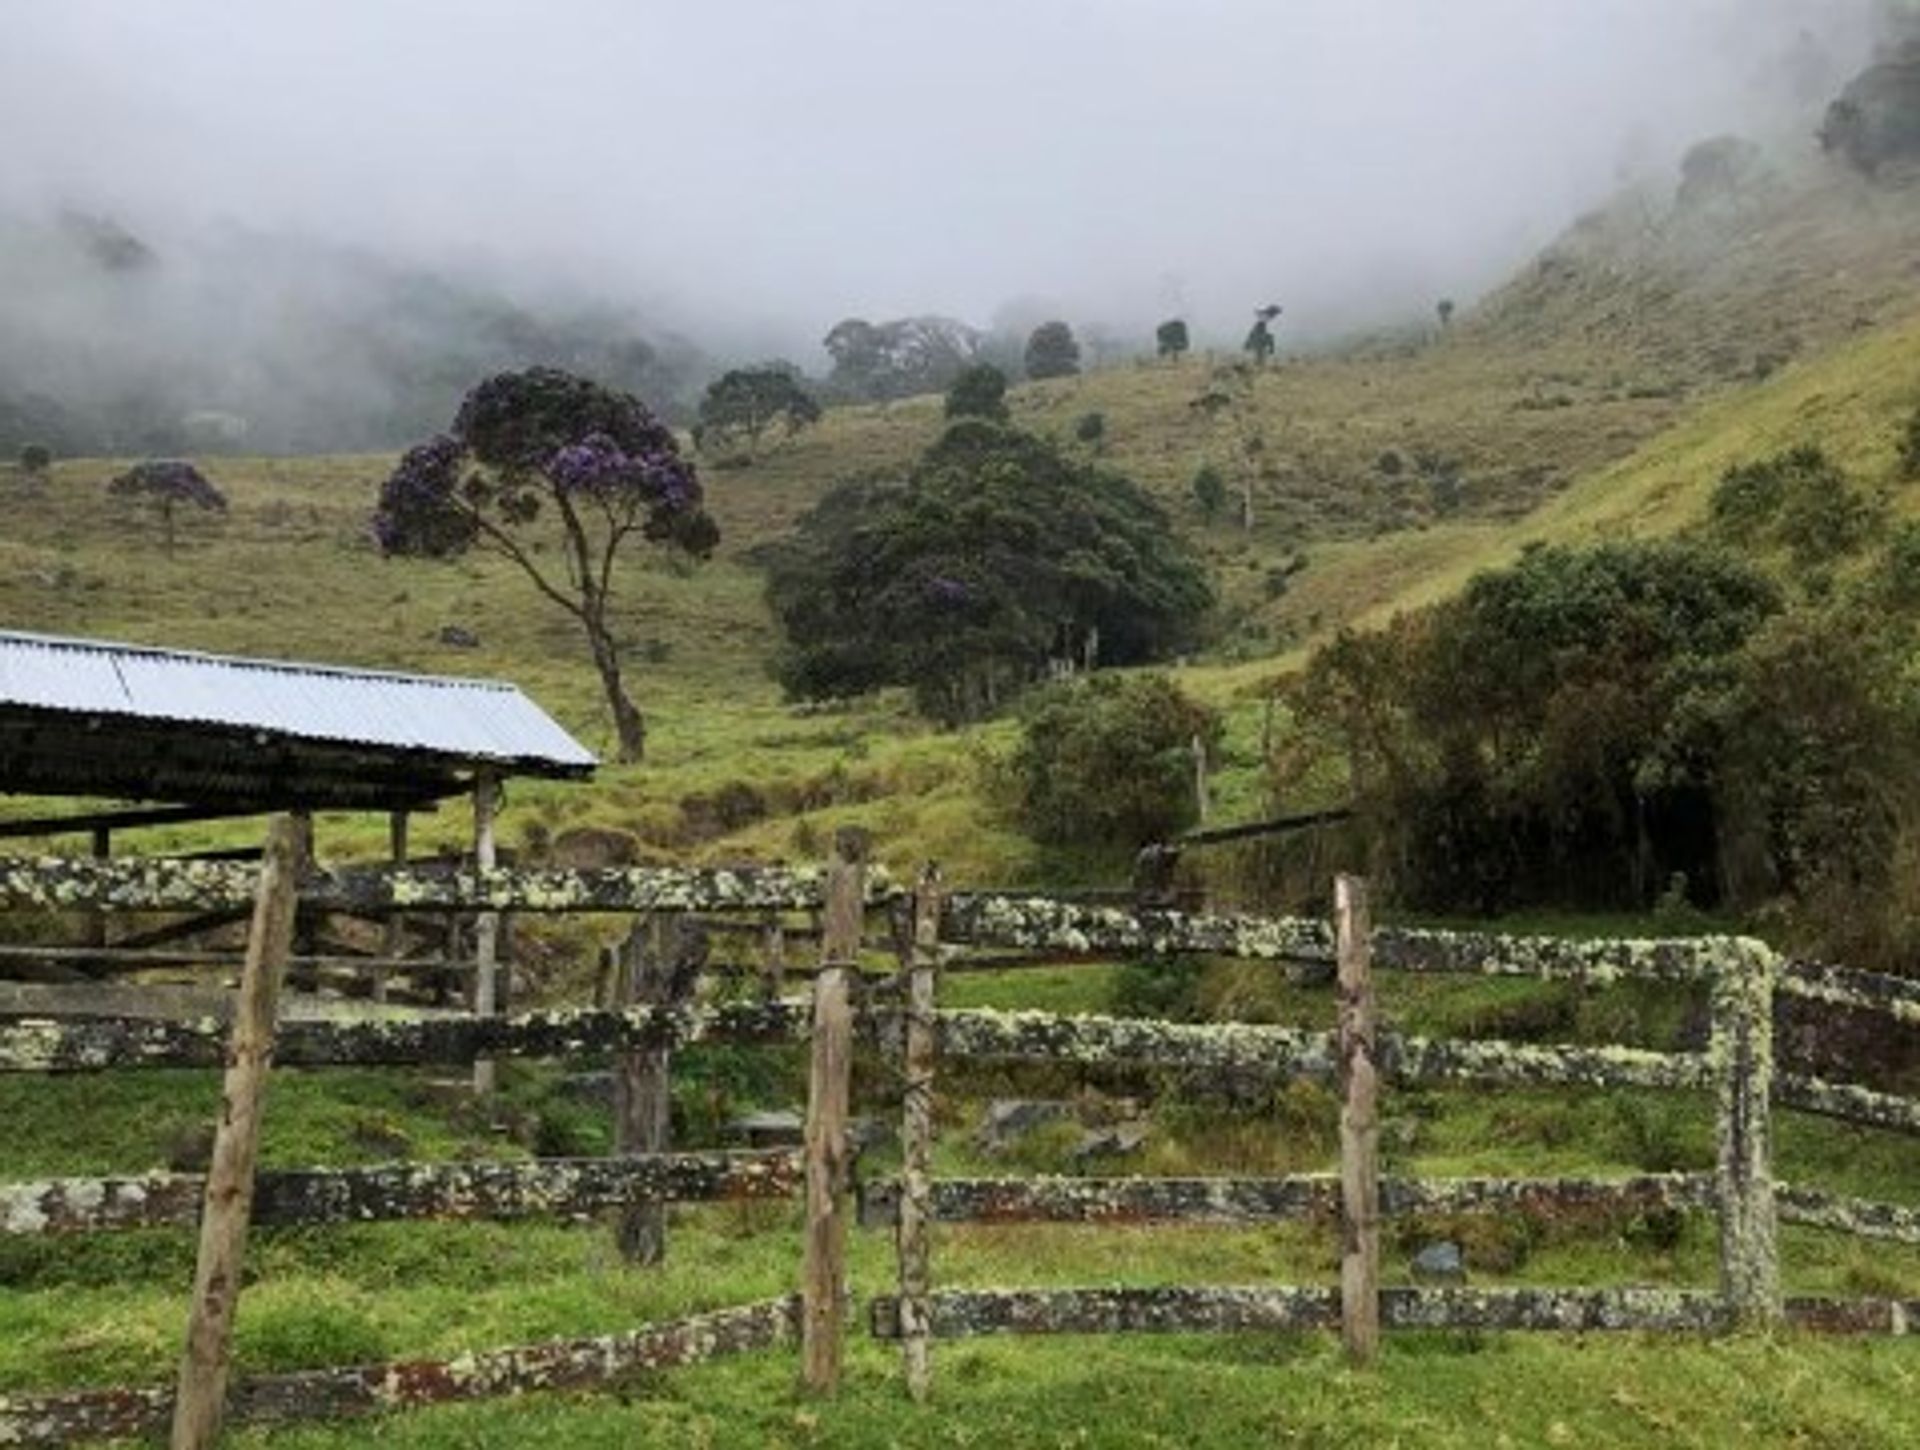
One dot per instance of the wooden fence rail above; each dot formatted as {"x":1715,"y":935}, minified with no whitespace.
{"x":900,"y":1020}
{"x":558,"y":1187}
{"x":62,"y":1419}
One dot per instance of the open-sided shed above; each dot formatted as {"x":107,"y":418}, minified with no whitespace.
{"x":173,"y":736}
{"x":214,"y":735}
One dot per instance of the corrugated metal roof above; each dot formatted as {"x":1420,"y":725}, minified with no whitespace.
{"x":466,"y":719}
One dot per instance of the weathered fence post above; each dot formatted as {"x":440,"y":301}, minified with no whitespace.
{"x":829,"y":1085}
{"x":641,"y":1104}
{"x":201,"y":1397}
{"x":393,"y":936}
{"x":1742,"y":1051}
{"x":486,"y":929}
{"x":916,"y":1189}
{"x":773,"y":958}
{"x":1359,"y":1125}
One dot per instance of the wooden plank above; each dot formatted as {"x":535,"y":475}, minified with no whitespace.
{"x":1265,"y":1200}
{"x":1413,"y":1060}
{"x":147,"y":884}
{"x":1742,"y":1045}
{"x":964,"y":1313}
{"x":93,"y":822}
{"x":320,"y":1394}
{"x":560,"y":1187}
{"x":1359,"y":1125}
{"x":81,"y":1045}
{"x":115,"y":959}
{"x":980,"y":1034}
{"x":829,"y":1087}
{"x":1183,"y":1310}
{"x":1034,"y":923}
{"x":201,"y":1397}
{"x":1848,"y":1102}
{"x":1897,"y":997}
{"x":1601,"y":962}
{"x":1864,"y":1218}
{"x":168,"y":1002}
{"x":914,"y":1236}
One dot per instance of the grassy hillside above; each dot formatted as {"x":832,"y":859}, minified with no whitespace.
{"x":1649,"y":420}
{"x":736,"y":772}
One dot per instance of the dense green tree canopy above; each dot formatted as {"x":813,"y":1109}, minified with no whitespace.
{"x":1109,"y":761}
{"x":743,"y":405}
{"x":1535,"y":737}
{"x":996,"y":559}
{"x":979,"y":392}
{"x":1052,"y":351}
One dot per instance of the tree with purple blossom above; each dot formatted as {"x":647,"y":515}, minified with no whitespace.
{"x":167,"y":483}
{"x":544,"y":454}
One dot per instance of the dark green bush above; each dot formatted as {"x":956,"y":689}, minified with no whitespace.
{"x":1798,"y":500}
{"x":1108,"y":761}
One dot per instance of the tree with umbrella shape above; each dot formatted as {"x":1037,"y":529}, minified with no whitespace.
{"x":166,"y":484}
{"x":543,"y":457}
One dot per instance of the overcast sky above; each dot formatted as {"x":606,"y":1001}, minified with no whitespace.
{"x":791,"y":163}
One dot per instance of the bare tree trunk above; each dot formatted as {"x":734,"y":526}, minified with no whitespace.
{"x":628,"y":725}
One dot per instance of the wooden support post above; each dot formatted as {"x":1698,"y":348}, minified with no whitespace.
{"x":1742,"y":1050}
{"x":201,"y":1399}
{"x":486,"y":928}
{"x":829,"y":1086}
{"x":1201,"y":793}
{"x":773,"y":958}
{"x":306,"y":940}
{"x":1359,"y":1125}
{"x":642,"y":1106}
{"x":97,"y":918}
{"x":913,"y":1238}
{"x":394,"y":943}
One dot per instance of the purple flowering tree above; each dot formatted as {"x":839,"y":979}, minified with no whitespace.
{"x":166,"y":484}
{"x":541,"y":456}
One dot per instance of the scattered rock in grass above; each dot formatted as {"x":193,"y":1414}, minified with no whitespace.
{"x":769,"y":1128}
{"x":456,"y":636}
{"x":1118,"y":1141}
{"x":1007,"y":1120}
{"x":190,"y":1149}
{"x":1440,"y":1263}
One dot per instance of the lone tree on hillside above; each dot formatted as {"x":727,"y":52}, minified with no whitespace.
{"x":979,"y":392}
{"x":1170,"y":338}
{"x":998,"y":562}
{"x":166,"y":483}
{"x":1259,"y":341}
{"x":35,"y":459}
{"x":1052,"y":352}
{"x":543,"y":456}
{"x":1209,"y":491}
{"x":745,"y":403}
{"x":1444,"y":309}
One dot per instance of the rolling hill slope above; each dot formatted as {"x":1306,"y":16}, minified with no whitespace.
{"x":1531,"y":399}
